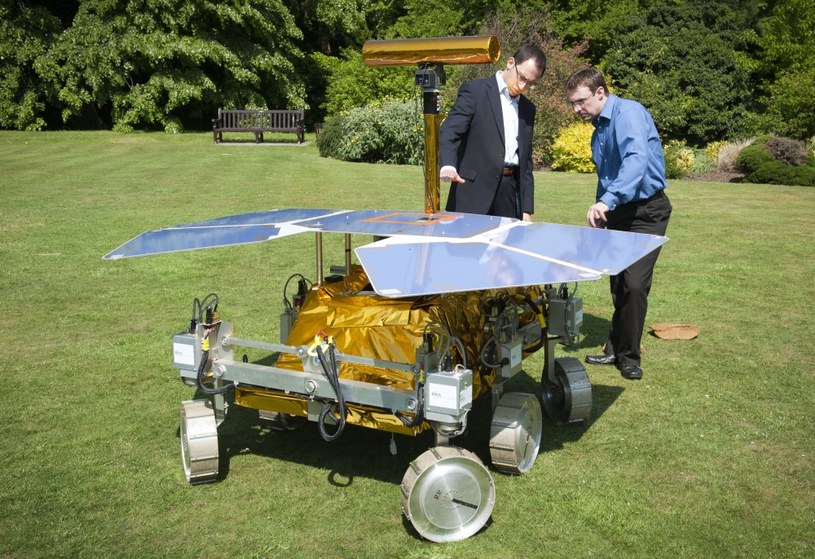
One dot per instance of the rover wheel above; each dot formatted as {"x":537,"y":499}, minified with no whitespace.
{"x":515,"y":433}
{"x":568,"y":399}
{"x":447,"y":494}
{"x":199,"y":441}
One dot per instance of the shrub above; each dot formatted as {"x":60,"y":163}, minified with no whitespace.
{"x":771,"y":160}
{"x":754,"y":156}
{"x":777,"y":172}
{"x":679,"y":159}
{"x":702,"y":163}
{"x":382,"y":132}
{"x":728,"y":153}
{"x":571,"y":150}
{"x":713,"y":149}
{"x":787,"y":150}
{"x":329,"y":141}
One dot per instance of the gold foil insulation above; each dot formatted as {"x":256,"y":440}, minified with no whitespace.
{"x":363,"y":323}
{"x":441,"y":50}
{"x":432,"y":198}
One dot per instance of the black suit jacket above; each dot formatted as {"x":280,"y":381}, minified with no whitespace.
{"x":472,"y":140}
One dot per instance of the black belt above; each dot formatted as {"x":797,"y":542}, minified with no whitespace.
{"x":659,"y":194}
{"x":506,"y":171}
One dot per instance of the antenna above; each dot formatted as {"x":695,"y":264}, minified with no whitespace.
{"x":430,"y":55}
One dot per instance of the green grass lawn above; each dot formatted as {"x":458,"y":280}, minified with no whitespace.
{"x":710,"y":455}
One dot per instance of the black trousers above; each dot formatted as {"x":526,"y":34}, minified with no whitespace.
{"x":630,"y":288}
{"x":506,"y":202}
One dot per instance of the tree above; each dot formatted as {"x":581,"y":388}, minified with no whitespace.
{"x":328,"y":26}
{"x":331,"y":27}
{"x":529,"y":26}
{"x":684,"y":76}
{"x":26,"y":33}
{"x":678,"y":59}
{"x":353,"y":84}
{"x":162,"y":63}
{"x":690,"y":61}
{"x":787,"y":37}
{"x":428,"y":18}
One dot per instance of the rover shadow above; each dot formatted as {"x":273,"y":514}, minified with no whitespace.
{"x":476,"y":438}
{"x":555,"y":436}
{"x":359,"y":451}
{"x":364,"y":452}
{"x":595,"y":332}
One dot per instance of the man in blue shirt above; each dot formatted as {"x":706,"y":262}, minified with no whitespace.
{"x":627,"y":153}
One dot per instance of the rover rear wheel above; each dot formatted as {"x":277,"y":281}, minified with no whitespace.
{"x":199,"y":441}
{"x":515,"y":434}
{"x":567,"y":400}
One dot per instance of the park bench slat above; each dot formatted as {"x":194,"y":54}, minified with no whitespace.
{"x":258,"y":121}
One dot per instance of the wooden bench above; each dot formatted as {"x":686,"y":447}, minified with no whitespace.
{"x":258,"y":121}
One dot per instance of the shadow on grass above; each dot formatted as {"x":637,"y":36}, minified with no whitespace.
{"x":555,"y":436}
{"x":595,"y":332}
{"x":265,"y":142}
{"x":367,"y":452}
{"x":411,"y":530}
{"x":357,"y":452}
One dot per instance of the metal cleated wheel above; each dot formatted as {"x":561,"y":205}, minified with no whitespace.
{"x":515,"y":434}
{"x":568,"y":399}
{"x":447,"y":494}
{"x":199,"y":441}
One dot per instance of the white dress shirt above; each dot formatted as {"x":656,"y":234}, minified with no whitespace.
{"x":509,"y":108}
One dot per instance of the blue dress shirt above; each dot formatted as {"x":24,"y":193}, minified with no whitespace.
{"x":627,"y":152}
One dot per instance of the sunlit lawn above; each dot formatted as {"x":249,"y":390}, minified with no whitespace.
{"x":710,"y":455}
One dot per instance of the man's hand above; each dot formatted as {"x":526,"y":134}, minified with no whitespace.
{"x":596,"y":216}
{"x":449,"y":174}
{"x":527,"y":217}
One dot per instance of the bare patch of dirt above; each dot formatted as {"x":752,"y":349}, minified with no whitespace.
{"x":718,"y":176}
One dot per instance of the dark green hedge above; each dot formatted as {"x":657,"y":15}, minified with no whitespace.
{"x":774,"y":160}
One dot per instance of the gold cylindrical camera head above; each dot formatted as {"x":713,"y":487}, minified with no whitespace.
{"x":440,"y":50}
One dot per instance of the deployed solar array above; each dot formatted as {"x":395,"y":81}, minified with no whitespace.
{"x":424,"y":254}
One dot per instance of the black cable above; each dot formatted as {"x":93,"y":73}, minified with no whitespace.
{"x":331,"y":372}
{"x":491,"y":365}
{"x":210,"y":302}
{"x":301,"y":280}
{"x":418,"y":417}
{"x":196,"y":305}
{"x":200,"y":378}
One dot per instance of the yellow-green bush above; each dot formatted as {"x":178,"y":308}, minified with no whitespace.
{"x":713,"y":148}
{"x":572,"y":149}
{"x":679,"y":159}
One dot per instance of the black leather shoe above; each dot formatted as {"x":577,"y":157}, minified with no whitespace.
{"x":605,"y":359}
{"x":631,"y":372}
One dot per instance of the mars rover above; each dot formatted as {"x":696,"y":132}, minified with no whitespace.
{"x":439,"y":310}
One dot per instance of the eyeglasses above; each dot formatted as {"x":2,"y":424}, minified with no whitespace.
{"x":578,"y":103}
{"x":523,"y":79}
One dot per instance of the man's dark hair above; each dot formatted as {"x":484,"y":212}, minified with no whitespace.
{"x":529,"y":50}
{"x":588,"y":77}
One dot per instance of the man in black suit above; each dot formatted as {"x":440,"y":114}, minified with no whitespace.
{"x":485,"y":143}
